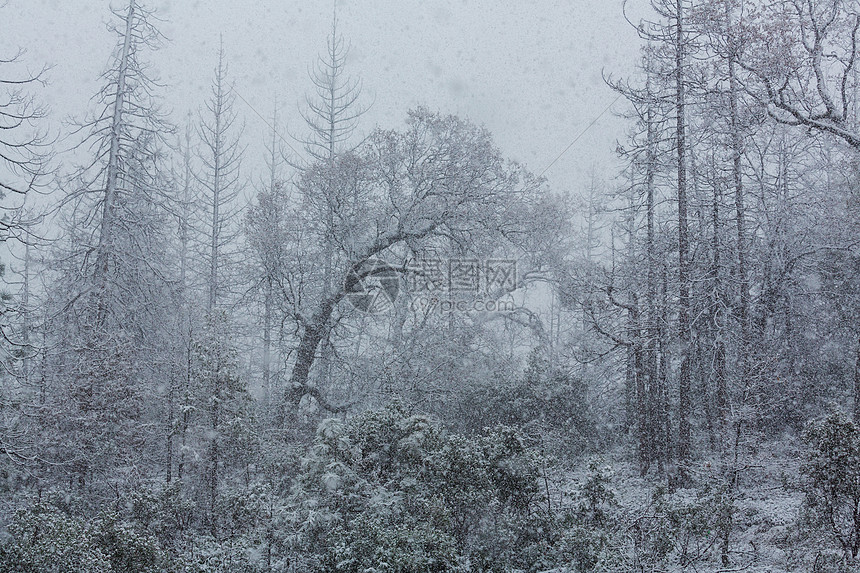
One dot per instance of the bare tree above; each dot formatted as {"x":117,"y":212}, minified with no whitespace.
{"x":219,"y":178}
{"x":23,"y":142}
{"x":675,"y":43}
{"x":331,"y":113}
{"x":112,"y":266}
{"x":127,"y":125}
{"x":221,"y":159}
{"x":24,"y":164}
{"x":409,"y":195}
{"x":802,"y":58}
{"x":265,"y":227}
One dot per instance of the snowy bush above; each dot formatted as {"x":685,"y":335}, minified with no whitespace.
{"x":45,"y":540}
{"x":390,"y":491}
{"x":544,"y":402}
{"x":832,"y":468}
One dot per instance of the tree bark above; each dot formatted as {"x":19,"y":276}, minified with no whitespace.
{"x":857,"y":385}
{"x":654,"y":399}
{"x":719,"y":326}
{"x":113,"y":169}
{"x":318,"y":326}
{"x":664,"y":422}
{"x":684,"y":325}
{"x":740,"y":219}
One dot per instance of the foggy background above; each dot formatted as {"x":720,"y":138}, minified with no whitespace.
{"x":530,"y":72}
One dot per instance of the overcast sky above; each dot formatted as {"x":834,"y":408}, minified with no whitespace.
{"x":529,"y":71}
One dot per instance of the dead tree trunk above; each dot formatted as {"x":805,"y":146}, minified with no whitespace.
{"x":857,"y":385}
{"x":684,"y":324}
{"x":113,"y":171}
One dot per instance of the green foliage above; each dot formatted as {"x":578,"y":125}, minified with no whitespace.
{"x":544,"y":401}
{"x":164,"y":513}
{"x":832,"y":467}
{"x":128,"y":550}
{"x":46,"y":540}
{"x":596,"y":499}
{"x":390,"y":491}
{"x":697,"y":524}
{"x":156,"y":537}
{"x":683,"y":530}
{"x":205,"y":554}
{"x":588,"y":525}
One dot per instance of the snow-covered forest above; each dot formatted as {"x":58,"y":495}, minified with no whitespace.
{"x":362,"y":348}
